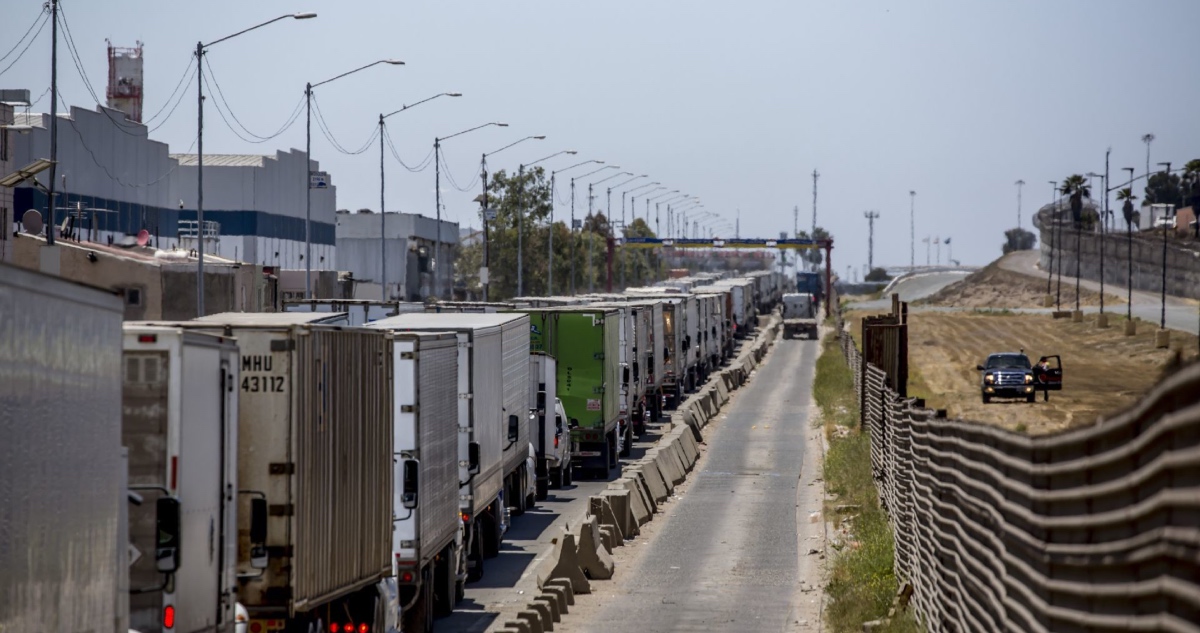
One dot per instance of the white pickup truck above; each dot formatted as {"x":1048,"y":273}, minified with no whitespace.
{"x":799,"y":315}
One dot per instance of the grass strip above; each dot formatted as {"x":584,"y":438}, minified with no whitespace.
{"x":862,"y":581}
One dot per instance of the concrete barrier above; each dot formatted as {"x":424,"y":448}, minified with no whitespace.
{"x":594,"y":560}
{"x":688,"y":443}
{"x":563,"y":587}
{"x":551,"y":603}
{"x":667,"y":465}
{"x":659,"y":485}
{"x":563,"y":564}
{"x":621,"y":500}
{"x":639,"y":503}
{"x":601,"y":508}
{"x":674,"y":461}
{"x":676,"y":444}
{"x":560,"y":595}
{"x":533,"y":619}
{"x":515,"y":626}
{"x":638,"y":474}
{"x":608,"y":538}
{"x":545,"y":614}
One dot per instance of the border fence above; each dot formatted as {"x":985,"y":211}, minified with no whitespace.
{"x":1093,"y":529}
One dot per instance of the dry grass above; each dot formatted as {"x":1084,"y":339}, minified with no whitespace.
{"x":1104,"y":371}
{"x":996,"y":287}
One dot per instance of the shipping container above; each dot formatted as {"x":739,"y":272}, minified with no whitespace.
{"x":180,"y":423}
{"x":315,"y":469}
{"x":63,"y":564}
{"x":492,"y":420}
{"x":586,"y":343}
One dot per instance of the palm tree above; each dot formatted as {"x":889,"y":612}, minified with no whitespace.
{"x":1126,"y":194}
{"x":1076,"y":182}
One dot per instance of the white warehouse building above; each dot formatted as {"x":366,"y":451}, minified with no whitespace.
{"x":124,"y":182}
{"x":416,"y":252}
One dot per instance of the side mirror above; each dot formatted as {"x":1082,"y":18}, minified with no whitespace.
{"x":514,"y":428}
{"x":258,"y":533}
{"x":166,"y":524}
{"x":574,"y":423}
{"x":541,"y":401}
{"x":408,"y":494}
{"x":979,"y":367}
{"x":473,"y":458}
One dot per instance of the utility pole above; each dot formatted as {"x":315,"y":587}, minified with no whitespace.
{"x":737,"y":231}
{"x":815,"y":176}
{"x":927,"y":239}
{"x":912,"y":229}
{"x":1019,"y":184}
{"x":54,"y":153}
{"x":870,"y":216}
{"x":937,"y":242}
{"x":796,"y":222}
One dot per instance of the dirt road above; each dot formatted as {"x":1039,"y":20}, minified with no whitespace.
{"x":1104,"y":371}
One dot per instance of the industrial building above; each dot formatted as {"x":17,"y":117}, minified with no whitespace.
{"x":416,"y":252}
{"x":6,"y":198}
{"x":119,"y":182}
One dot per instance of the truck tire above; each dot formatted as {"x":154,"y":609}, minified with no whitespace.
{"x":556,"y":477}
{"x":543,"y":487}
{"x":567,"y":475}
{"x":475,"y":558}
{"x":1031,"y":397}
{"x":986,"y":398}
{"x":418,"y":618}
{"x":489,"y":530}
{"x":444,"y":583}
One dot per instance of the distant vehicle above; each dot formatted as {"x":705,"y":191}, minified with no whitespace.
{"x":1164,"y":222}
{"x":799,"y":315}
{"x":812,"y":283}
{"x":1007,"y":375}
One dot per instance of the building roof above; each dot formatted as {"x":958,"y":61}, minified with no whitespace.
{"x":447,"y":321}
{"x":269,"y":319}
{"x":221,"y":160}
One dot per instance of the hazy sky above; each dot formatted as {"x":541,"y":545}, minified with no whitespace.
{"x":735,"y":102}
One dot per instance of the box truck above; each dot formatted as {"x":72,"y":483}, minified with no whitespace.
{"x":357,"y":311}
{"x":585,"y":342}
{"x":551,"y":434}
{"x":179,"y":421}
{"x":63,"y":550}
{"x":427,"y":535}
{"x":492,"y":391}
{"x":315,"y":472}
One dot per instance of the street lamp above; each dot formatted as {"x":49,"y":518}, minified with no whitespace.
{"x":1166,"y":211}
{"x":1053,"y":227}
{"x":595,"y":171}
{"x":1103,"y":187}
{"x":486,"y":245}
{"x":550,"y":238}
{"x":607,"y":220}
{"x":624,"y":226}
{"x":633,"y":198}
{"x":649,"y":199}
{"x":200,"y":47}
{"x":521,"y":216}
{"x":1019,"y":184}
{"x":308,"y":185}
{"x":1129,"y":252}
{"x":383,"y":208}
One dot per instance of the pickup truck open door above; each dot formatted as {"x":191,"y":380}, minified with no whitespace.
{"x":1048,"y":373}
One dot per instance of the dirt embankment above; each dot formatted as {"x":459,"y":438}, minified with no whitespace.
{"x":996,"y":288}
{"x":1104,"y":371}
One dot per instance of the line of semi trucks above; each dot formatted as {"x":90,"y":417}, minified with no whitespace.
{"x":340,"y":466}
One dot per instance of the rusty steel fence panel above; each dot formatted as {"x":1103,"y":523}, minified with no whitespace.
{"x":1095,"y":529}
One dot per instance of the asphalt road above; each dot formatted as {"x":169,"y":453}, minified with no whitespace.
{"x":507,"y":583}
{"x":726,"y":558}
{"x":1181,"y":314}
{"x":918,"y":286}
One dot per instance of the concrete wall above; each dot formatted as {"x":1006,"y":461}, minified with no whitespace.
{"x":164,"y":290}
{"x":1183,"y":262}
{"x":358,"y":252}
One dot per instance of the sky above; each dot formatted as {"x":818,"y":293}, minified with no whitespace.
{"x":734,"y":102}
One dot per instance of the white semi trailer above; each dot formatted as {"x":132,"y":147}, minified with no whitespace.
{"x":63,"y":546}
{"x":492,"y":420}
{"x":180,"y":419}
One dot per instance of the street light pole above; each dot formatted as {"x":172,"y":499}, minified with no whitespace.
{"x":570,"y":229}
{"x":912,"y":229}
{"x":308,"y":92}
{"x":383,"y":209}
{"x":1129,"y":252}
{"x":1166,"y":210}
{"x":54,"y":140}
{"x":1019,"y":184}
{"x":520,"y":211}
{"x":520,"y":187}
{"x":521,"y":216}
{"x":200,"y":47}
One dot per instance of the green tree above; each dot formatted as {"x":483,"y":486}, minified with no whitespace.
{"x":877,"y":274}
{"x":1163,"y":188}
{"x":815,"y":256}
{"x":1018,"y":240}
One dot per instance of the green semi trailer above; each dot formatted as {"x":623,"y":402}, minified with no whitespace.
{"x":586,"y":343}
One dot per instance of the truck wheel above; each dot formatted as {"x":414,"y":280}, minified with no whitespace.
{"x":543,"y":488}
{"x":444,"y":584}
{"x":1031,"y":398}
{"x":475,"y":558}
{"x":516,"y":492}
{"x":489,"y":531}
{"x":986,"y":398}
{"x":567,"y":475}
{"x":556,"y":477}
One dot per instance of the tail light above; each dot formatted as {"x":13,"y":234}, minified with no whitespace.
{"x":555,"y":441}
{"x":169,"y":617}
{"x":363,"y":628}
{"x":347,"y":628}
{"x":406,"y":576}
